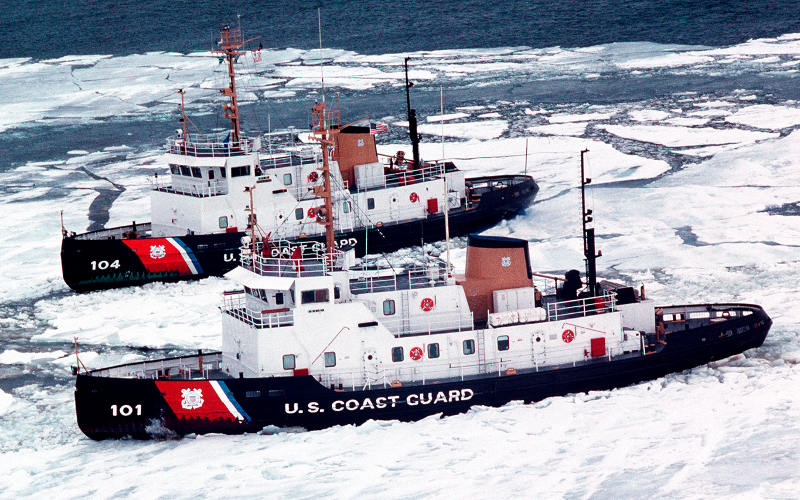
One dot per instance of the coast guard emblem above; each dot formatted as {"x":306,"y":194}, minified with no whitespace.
{"x":505,"y":261}
{"x":192,"y":398}
{"x":157,"y":252}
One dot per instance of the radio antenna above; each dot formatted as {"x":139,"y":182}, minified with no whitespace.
{"x":321,"y":63}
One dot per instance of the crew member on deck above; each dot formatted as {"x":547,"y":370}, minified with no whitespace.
{"x":572,"y":283}
{"x":400,"y":159}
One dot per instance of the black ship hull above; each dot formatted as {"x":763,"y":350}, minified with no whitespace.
{"x":94,"y":261}
{"x":143,"y":408}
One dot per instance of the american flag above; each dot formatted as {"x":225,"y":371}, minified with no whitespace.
{"x":377,"y":128}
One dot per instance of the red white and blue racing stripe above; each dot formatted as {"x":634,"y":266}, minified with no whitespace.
{"x":159,"y":255}
{"x":207,"y":399}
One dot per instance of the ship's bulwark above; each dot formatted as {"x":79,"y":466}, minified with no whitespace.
{"x":142,"y":408}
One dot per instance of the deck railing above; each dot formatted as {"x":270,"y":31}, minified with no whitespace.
{"x":368,"y":280}
{"x":235,"y":304}
{"x":581,"y":307}
{"x":285,"y":260}
{"x":220,"y":148}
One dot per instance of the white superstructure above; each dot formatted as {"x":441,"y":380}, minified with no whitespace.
{"x":356,"y":327}
{"x":208,"y":181}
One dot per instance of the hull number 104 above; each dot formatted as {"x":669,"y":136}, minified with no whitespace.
{"x":104,"y":264}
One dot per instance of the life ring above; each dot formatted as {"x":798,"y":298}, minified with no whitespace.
{"x":511,"y":371}
{"x":414,"y":197}
{"x":568,"y":336}
{"x":415,"y":353}
{"x":313,"y":177}
{"x":396,"y":383}
{"x":426,"y":304}
{"x":379,"y":224}
{"x":311,"y":213}
{"x":726,"y":314}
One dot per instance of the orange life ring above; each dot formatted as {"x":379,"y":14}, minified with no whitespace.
{"x":415,"y":353}
{"x":313,"y":177}
{"x":426,"y":304}
{"x":414,"y":197}
{"x":379,"y":224}
{"x":311,"y":213}
{"x":568,"y":336}
{"x":726,"y":314}
{"x":396,"y":383}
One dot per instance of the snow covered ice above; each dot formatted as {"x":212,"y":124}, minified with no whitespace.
{"x":695,"y":196}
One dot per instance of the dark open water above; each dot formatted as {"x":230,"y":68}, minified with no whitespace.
{"x":52,"y":28}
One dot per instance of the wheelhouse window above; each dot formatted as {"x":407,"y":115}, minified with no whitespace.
{"x":223,"y":222}
{"x":210,"y":173}
{"x":222,"y":172}
{"x":312,"y":296}
{"x":397,"y":354}
{"x":288,"y":362}
{"x":433,"y":350}
{"x":370,"y":203}
{"x":330,"y":359}
{"x":298,"y":213}
{"x":337,"y":293}
{"x":196,"y":172}
{"x":502,"y":343}
{"x":279,"y":298}
{"x":185,"y":171}
{"x":469,"y":346}
{"x":388,"y":307}
{"x":175,"y":169}
{"x":240,"y":171}
{"x":287,"y":179}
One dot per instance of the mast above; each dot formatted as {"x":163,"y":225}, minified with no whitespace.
{"x":589,"y":253}
{"x":183,"y":118}
{"x":230,"y":42}
{"x":412,"y":120}
{"x":323,"y":122}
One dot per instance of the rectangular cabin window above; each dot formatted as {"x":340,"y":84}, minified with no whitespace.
{"x":175,"y":169}
{"x":298,"y":213}
{"x":185,"y":171}
{"x":330,"y":359}
{"x":287,"y":179}
{"x":279,"y":298}
{"x":433,"y":350}
{"x":211,"y":173}
{"x":222,"y":173}
{"x":337,"y":293}
{"x":388,"y":307}
{"x":196,"y":172}
{"x":397,"y":354}
{"x":502,"y":343}
{"x":469,"y":347}
{"x":347,"y":207}
{"x":223,"y":222}
{"x":314,"y":296}
{"x":288,"y":362}
{"x":370,"y":203}
{"x":240,"y":171}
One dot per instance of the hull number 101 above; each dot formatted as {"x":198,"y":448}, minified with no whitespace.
{"x":126,"y":410}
